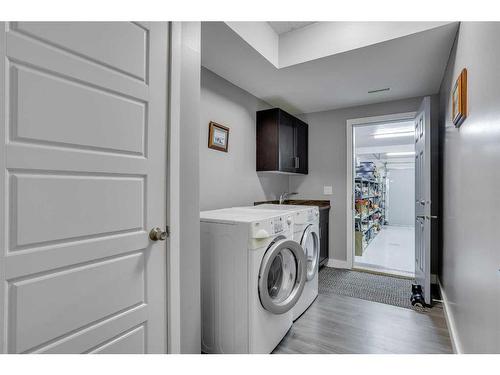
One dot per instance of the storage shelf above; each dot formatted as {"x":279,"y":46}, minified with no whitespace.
{"x":369,"y":197}
{"x":357,"y":217}
{"x":370,"y":227}
{"x":373,"y":192}
{"x":362,"y":179}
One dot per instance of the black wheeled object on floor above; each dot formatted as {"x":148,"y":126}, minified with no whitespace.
{"x":417,"y":297}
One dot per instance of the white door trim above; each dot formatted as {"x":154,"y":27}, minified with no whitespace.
{"x":350,"y":175}
{"x":184,"y":314}
{"x":173,"y":195}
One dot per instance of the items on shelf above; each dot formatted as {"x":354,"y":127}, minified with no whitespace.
{"x":369,"y":190}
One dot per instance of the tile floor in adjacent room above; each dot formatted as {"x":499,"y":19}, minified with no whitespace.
{"x":391,"y":251}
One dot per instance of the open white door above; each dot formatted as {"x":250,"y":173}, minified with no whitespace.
{"x":423,"y":199}
{"x":83,"y":181}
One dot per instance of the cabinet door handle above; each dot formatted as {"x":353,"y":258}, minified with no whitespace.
{"x":297,"y":162}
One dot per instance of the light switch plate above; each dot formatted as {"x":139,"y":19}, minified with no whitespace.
{"x":327,"y":190}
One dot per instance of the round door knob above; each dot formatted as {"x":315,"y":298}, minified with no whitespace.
{"x":157,"y":234}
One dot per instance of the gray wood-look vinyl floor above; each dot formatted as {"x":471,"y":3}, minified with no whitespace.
{"x":339,"y":324}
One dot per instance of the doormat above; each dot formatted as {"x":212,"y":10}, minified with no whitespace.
{"x":372,"y":287}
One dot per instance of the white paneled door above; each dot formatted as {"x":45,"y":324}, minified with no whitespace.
{"x":83,"y":181}
{"x":423,"y":198}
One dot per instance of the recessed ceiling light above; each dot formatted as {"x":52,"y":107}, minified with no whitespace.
{"x":402,"y":129}
{"x":393,"y":135}
{"x":400,"y":153}
{"x":378,"y":90}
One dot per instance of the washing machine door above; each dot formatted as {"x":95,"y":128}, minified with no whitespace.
{"x":282,"y":275}
{"x":310,"y":244}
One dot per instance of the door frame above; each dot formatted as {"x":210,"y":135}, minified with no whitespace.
{"x":182,"y":246}
{"x":351,"y":123}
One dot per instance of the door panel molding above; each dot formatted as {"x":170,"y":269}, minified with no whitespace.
{"x":99,"y":332}
{"x":31,"y":53}
{"x":64,"y":207}
{"x":34,"y":320}
{"x":60,"y":111}
{"x":128,"y":342}
{"x":87,"y":40}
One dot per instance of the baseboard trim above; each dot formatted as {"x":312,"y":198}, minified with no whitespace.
{"x":450,"y":322}
{"x":335,"y":263}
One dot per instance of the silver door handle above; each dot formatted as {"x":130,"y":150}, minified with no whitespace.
{"x":422,"y":203}
{"x":431,"y":217}
{"x":156,"y":234}
{"x":420,"y":216}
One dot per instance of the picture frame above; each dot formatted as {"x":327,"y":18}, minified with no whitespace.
{"x":459,"y":99}
{"x":218,"y":136}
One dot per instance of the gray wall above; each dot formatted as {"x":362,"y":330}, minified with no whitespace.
{"x":328,"y":163}
{"x":401,"y":194}
{"x":229,"y":179}
{"x":471,"y":178}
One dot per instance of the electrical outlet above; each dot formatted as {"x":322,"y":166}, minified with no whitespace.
{"x":327,"y":190}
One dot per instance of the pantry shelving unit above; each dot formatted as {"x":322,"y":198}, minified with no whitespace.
{"x":383,"y":201}
{"x":370,"y":210}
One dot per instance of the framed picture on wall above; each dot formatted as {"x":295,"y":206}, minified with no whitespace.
{"x":459,"y":99}
{"x":218,"y":136}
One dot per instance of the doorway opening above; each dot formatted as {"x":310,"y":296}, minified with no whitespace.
{"x":382,"y":226}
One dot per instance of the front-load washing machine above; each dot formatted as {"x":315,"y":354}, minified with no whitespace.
{"x":306,"y":232}
{"x":252,"y":275}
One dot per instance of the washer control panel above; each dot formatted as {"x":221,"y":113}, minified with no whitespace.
{"x":278,"y":226}
{"x":273,"y":226}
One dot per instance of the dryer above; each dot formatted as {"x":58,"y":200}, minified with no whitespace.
{"x":252,"y":275}
{"x":306,"y":232}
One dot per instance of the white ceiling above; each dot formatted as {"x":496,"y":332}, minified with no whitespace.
{"x":364,"y":135}
{"x":369,"y":148}
{"x":410,"y":66}
{"x":282,"y":27}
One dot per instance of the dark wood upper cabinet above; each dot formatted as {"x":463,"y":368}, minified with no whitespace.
{"x":282,"y":142}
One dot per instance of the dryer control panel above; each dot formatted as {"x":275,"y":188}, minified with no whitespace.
{"x":311,"y":215}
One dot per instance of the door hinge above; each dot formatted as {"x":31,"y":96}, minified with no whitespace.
{"x":167,"y":231}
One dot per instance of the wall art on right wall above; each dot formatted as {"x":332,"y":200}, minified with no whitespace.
{"x":459,"y":98}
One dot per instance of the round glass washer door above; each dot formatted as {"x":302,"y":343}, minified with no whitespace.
{"x":282,"y":275}
{"x":310,"y":244}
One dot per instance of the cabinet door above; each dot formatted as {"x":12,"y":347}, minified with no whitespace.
{"x":287,"y":143}
{"x":301,"y":142}
{"x":267,"y":140}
